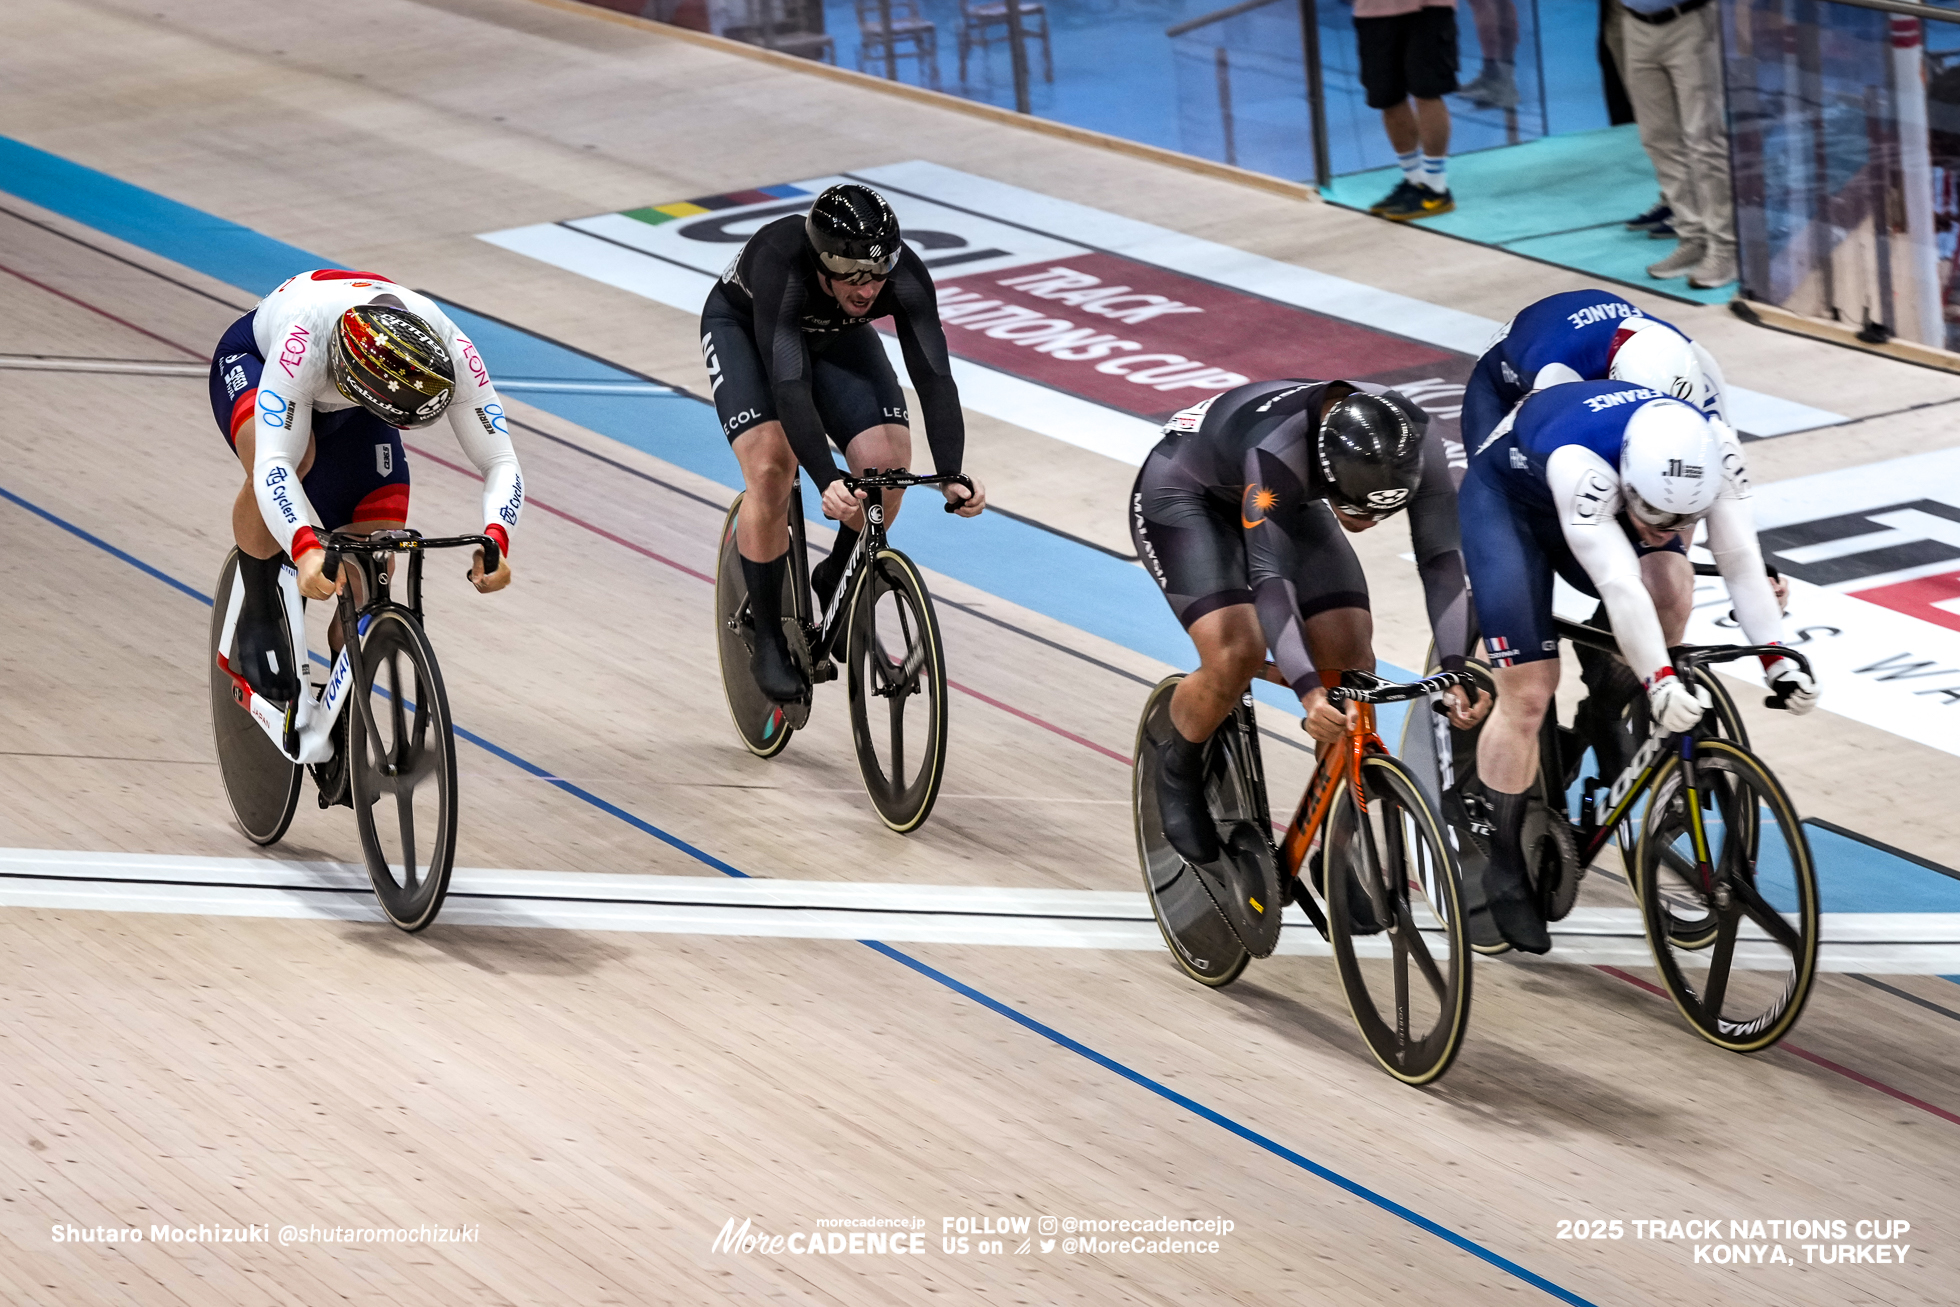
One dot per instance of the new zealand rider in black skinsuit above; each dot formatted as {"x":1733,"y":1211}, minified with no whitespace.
{"x":796,"y":366}
{"x":1239,"y":513}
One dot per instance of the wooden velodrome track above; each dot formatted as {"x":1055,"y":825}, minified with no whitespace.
{"x":595,"y":1103}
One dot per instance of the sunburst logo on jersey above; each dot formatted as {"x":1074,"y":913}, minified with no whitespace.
{"x":1258,"y":501}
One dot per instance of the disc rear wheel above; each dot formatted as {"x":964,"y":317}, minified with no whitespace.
{"x":261,"y":785}
{"x":1201,"y":943}
{"x":764,"y":725}
{"x":402,"y":774}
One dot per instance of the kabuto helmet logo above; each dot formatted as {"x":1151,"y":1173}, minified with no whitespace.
{"x":392,"y":363}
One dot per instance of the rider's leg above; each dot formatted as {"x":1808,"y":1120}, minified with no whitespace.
{"x":265,"y":661}
{"x":1511,"y":560}
{"x":1507,"y":760}
{"x":1231,"y":651}
{"x":885,"y":445}
{"x":762,"y":540}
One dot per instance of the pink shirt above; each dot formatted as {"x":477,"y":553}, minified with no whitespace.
{"x":1393,"y":8}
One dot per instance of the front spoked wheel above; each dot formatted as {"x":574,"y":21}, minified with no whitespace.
{"x":1409,"y":984}
{"x":898,"y":691}
{"x":402,"y":772}
{"x":1745,"y":974}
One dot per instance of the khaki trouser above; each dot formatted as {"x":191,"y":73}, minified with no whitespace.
{"x":1673,"y":75}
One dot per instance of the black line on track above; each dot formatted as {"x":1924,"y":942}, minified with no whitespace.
{"x":1914,"y":999}
{"x":670,"y":486}
{"x":363,"y":890}
{"x":1882,"y":846}
{"x":111,"y":254}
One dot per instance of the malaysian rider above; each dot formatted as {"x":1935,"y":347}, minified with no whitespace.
{"x":1241,"y":514}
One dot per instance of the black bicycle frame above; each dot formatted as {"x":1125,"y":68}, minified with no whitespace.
{"x":823,"y":635}
{"x":1633,"y":783}
{"x":338,"y":547}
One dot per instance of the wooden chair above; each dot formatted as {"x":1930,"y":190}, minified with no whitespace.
{"x":911,"y":36}
{"x":978,"y":19}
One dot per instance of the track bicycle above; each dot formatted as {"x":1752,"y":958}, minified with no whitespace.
{"x":397,"y":743}
{"x":1378,"y":860}
{"x":882,"y":617}
{"x":1714,"y":852}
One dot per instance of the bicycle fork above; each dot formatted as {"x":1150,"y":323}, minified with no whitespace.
{"x":1718,"y":891}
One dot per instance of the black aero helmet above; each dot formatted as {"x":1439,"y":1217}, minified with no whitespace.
{"x":1370,"y":456}
{"x":854,"y":233}
{"x":392,"y":363}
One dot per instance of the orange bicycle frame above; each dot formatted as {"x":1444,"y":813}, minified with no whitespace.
{"x":1356,"y":743}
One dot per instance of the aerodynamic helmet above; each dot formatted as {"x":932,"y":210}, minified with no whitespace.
{"x":853,"y":233}
{"x":1370,"y":456}
{"x":1670,"y":464}
{"x":391,"y":363}
{"x":1655,"y":355}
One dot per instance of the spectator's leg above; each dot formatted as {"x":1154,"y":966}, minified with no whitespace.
{"x":1432,"y":64}
{"x":1381,"y":44}
{"x":1651,"y":87}
{"x":1695,"y":58}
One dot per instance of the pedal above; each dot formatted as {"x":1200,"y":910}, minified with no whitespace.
{"x":825,"y":670}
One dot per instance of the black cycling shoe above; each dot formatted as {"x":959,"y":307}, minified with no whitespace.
{"x":1181,"y":807}
{"x":776,"y":673}
{"x":825,"y":575}
{"x":263,"y":658}
{"x":1360,"y":909}
{"x":1513,"y":910}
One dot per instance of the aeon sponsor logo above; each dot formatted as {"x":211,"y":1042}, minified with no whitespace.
{"x":292,"y":352}
{"x":470,"y":360}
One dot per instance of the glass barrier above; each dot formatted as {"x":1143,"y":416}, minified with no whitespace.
{"x":1845,"y":145}
{"x":1229,"y":82}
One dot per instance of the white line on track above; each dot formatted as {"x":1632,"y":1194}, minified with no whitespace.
{"x":1881,"y":943}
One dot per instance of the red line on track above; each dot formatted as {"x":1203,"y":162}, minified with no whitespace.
{"x":161,"y":340}
{"x":1808,"y":1056}
{"x":703,"y":576}
{"x":574,"y":520}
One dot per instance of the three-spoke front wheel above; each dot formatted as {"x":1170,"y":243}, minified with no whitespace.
{"x":1409,"y":984}
{"x":1735,"y":934}
{"x":403,"y":771}
{"x":897,"y":672}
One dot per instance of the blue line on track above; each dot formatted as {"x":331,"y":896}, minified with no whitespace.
{"x":1135,"y":1077}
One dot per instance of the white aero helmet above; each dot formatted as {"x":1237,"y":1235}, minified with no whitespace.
{"x":1670,"y":464}
{"x":1655,"y":355}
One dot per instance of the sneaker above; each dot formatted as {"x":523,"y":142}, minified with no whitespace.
{"x":1495,"y":89}
{"x":1717,"y":268}
{"x":1663,"y":231}
{"x":1417,"y":202}
{"x":1657,"y":216}
{"x":1686,"y":255}
{"x":1183,"y":813}
{"x":1392,"y":199}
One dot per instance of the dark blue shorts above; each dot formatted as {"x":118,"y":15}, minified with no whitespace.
{"x":360,"y":469}
{"x":1511,"y":551}
{"x":1486,"y":399}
